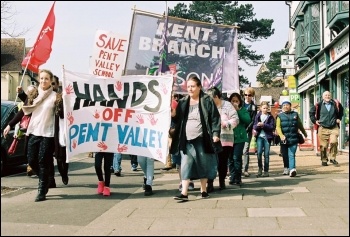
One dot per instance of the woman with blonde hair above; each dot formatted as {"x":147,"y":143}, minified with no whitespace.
{"x":264,"y":125}
{"x":41,"y":131}
{"x":251,"y":107}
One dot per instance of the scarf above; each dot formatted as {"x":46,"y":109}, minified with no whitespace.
{"x":28,"y":109}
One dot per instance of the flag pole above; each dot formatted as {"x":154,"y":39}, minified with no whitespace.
{"x":235,"y":60}
{"x":164,"y":43}
{"x":24,"y":73}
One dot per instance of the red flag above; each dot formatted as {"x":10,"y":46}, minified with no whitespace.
{"x":41,"y":50}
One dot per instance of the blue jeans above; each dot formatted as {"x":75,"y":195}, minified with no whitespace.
{"x":246,"y":153}
{"x":235,"y":162}
{"x":291,"y":149}
{"x":117,"y":162}
{"x":147,"y":166}
{"x":263,"y":145}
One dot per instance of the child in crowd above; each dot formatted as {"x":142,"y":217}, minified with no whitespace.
{"x":263,"y":128}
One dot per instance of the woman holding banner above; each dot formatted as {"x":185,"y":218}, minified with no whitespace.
{"x":147,"y":166}
{"x":103,"y":183}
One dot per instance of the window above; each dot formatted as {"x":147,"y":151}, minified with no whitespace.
{"x":335,"y":7}
{"x":337,"y":15}
{"x":312,"y":30}
{"x":300,"y":43}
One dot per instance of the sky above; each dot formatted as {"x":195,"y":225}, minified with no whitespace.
{"x":77,"y":23}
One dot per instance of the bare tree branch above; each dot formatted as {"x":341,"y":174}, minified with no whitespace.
{"x":8,"y":23}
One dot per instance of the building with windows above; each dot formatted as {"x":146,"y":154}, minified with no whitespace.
{"x":319,"y":41}
{"x":13,"y":51}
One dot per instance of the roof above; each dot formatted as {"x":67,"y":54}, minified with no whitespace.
{"x":275,"y":92}
{"x":12,"y":54}
{"x":262,"y":69}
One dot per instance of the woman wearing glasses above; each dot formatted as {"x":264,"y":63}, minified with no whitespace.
{"x":249,"y":105}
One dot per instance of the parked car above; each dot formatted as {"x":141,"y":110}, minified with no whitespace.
{"x":8,"y":111}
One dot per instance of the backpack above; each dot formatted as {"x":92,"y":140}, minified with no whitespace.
{"x":316,"y":109}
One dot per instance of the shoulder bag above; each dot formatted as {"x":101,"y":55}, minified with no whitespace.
{"x":301,"y":139}
{"x":23,"y":125}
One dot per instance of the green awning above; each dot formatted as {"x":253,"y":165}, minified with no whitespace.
{"x":338,"y":64}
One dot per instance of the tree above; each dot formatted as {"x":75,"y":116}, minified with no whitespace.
{"x":274,"y":74}
{"x":228,"y":13}
{"x":8,"y":25}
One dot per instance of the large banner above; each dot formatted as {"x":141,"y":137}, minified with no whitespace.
{"x":129,"y":116}
{"x":194,"y":48}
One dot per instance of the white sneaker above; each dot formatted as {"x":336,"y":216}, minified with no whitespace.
{"x":285,"y":171}
{"x":293,"y":173}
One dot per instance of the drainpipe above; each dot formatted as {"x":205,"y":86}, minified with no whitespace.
{"x":289,"y":4}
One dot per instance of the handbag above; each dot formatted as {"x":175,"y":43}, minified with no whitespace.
{"x":217,"y":146}
{"x":252,"y":145}
{"x":301,"y":139}
{"x":23,"y":125}
{"x":13,"y":146}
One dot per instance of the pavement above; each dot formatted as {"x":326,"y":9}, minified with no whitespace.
{"x":314,"y":203}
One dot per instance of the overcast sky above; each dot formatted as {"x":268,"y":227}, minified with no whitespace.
{"x":77,"y":22}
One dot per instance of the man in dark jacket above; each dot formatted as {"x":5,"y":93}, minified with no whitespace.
{"x":327,"y":115}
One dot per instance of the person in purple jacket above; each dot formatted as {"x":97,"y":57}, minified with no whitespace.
{"x":264,"y":125}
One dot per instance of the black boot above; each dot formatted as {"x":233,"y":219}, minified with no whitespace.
{"x":52,"y":182}
{"x":65,"y":179}
{"x":63,"y":170}
{"x":210,"y":185}
{"x":42,"y":190}
{"x":43,"y":186}
{"x":148,"y":190}
{"x":41,"y":196}
{"x":222,"y":184}
{"x":144,"y":183}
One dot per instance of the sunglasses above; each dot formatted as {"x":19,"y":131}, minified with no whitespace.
{"x":248,"y":95}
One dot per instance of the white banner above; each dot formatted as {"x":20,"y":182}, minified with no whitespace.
{"x":109,"y":55}
{"x":128,"y":116}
